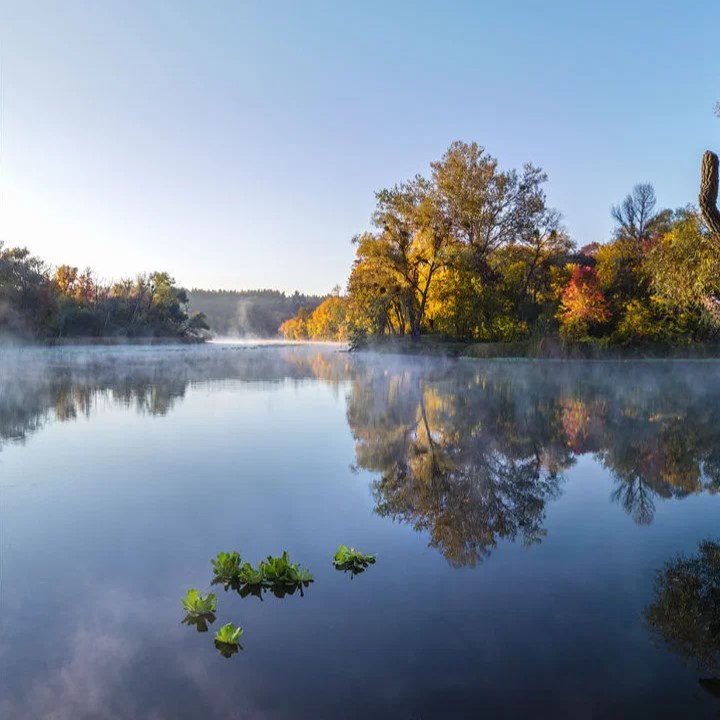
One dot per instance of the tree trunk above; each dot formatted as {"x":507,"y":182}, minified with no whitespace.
{"x":711,"y":216}
{"x":709,"y":193}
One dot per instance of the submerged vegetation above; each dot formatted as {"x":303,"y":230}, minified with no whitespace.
{"x":475,"y":253}
{"x":352,"y":560}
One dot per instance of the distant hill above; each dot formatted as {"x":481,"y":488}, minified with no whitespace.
{"x":249,"y":313}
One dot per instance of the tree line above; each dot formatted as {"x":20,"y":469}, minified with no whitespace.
{"x":64,"y":302}
{"x":249,"y":313}
{"x":473,"y":252}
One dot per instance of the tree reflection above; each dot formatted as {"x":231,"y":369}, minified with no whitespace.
{"x":471,"y":453}
{"x":38,"y":387}
{"x":685,"y":612}
{"x":461,"y":457}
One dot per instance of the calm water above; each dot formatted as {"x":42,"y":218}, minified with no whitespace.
{"x":519,"y":512}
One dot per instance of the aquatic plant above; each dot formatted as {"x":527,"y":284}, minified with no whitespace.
{"x":200,"y":609}
{"x":227,"y":639}
{"x":251,"y":580}
{"x":352,"y":560}
{"x":283,"y":577}
{"x":229,"y":634}
{"x":195,"y":603}
{"x":250,"y":576}
{"x":227,"y":568}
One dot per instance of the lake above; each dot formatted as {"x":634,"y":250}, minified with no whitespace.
{"x":527,"y":518}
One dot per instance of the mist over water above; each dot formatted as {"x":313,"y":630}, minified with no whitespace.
{"x":519,"y":511}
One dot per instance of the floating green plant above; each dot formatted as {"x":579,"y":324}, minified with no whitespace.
{"x":283,"y":577}
{"x":195,"y":603}
{"x":251,"y":576}
{"x":227,"y":569}
{"x":352,"y":560}
{"x":200,"y":609}
{"x":252,"y":581}
{"x":227,"y":639}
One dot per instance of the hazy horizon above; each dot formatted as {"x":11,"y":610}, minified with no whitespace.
{"x":235,"y":146}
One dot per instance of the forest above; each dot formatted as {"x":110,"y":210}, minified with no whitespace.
{"x":37,"y":301}
{"x":469,"y":253}
{"x":475,"y":253}
{"x":249,"y":313}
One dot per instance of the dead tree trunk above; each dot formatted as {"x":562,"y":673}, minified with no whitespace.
{"x":709,"y":193}
{"x":711,"y":216}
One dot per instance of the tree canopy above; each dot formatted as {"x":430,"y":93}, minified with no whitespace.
{"x":38,"y":301}
{"x":475,"y":252}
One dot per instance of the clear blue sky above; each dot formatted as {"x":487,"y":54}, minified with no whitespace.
{"x":238,"y":144}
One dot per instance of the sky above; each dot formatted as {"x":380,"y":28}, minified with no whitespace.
{"x":239,"y":144}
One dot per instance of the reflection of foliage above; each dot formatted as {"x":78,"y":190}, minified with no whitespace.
{"x":199,"y":622}
{"x":471,"y":453}
{"x":461,"y":457}
{"x":686,"y":610}
{"x":352,"y":560}
{"x":50,"y":385}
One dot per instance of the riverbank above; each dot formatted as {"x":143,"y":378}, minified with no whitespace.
{"x":547,"y":348}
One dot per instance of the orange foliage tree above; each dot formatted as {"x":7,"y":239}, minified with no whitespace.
{"x":583,"y":305}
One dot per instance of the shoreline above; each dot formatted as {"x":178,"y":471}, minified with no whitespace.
{"x":96,"y":342}
{"x":546,"y":349}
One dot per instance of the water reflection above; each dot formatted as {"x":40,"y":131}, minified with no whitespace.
{"x":249,"y":450}
{"x":471,"y":453}
{"x":685,"y":612}
{"x":38,"y":386}
{"x":458,"y":456}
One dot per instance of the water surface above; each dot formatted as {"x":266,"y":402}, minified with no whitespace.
{"x":520,"y":512}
